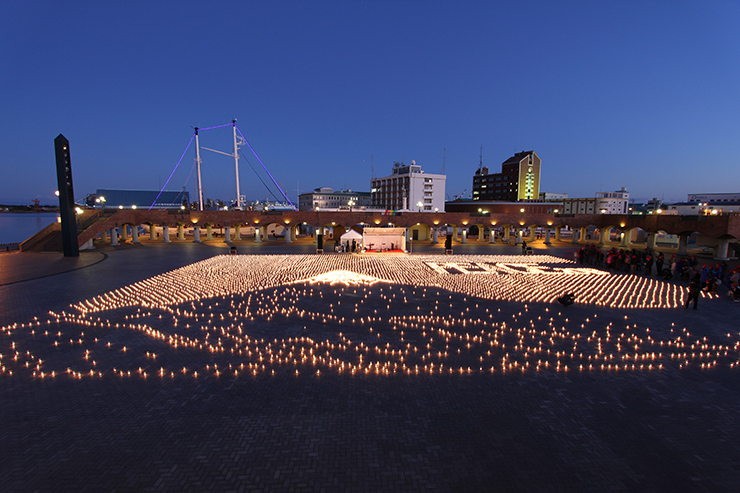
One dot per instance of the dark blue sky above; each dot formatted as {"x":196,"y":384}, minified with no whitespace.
{"x":640,"y":94}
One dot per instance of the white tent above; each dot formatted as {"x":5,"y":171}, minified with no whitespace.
{"x":349,"y":236}
{"x":384,"y":238}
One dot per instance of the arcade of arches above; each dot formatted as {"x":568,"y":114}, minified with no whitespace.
{"x":626,"y":231}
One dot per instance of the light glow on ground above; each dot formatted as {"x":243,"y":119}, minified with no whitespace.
{"x":343,"y":314}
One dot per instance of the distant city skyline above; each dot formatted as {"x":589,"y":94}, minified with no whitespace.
{"x":632,"y":94}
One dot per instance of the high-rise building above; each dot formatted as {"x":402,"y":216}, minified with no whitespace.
{"x":409,"y":188}
{"x":519,"y":179}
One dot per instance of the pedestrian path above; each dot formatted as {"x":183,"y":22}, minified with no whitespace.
{"x":17,"y":266}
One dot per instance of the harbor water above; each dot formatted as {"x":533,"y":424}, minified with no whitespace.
{"x":16,"y":227}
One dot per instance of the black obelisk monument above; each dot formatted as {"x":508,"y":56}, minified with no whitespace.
{"x":66,"y":197}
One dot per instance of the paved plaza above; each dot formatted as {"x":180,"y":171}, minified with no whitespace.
{"x":178,"y":368}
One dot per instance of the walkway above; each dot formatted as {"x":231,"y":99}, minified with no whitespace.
{"x":664,"y":430}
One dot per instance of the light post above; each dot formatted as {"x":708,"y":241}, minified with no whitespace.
{"x":101,"y":200}
{"x":78,"y":211}
{"x":419,"y":204}
{"x":351,"y":204}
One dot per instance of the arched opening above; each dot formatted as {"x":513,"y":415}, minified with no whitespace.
{"x":420,"y":232}
{"x":275,"y":231}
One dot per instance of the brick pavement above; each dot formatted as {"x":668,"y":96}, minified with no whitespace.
{"x":669,"y":430}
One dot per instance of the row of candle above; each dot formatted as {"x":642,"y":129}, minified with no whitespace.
{"x":453,"y":333}
{"x":511,"y":278}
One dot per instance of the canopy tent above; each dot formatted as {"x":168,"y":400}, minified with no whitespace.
{"x":351,"y":236}
{"x":384,"y":239}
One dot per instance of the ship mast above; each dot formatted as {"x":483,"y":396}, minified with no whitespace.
{"x":236,"y":167}
{"x":197,"y":164}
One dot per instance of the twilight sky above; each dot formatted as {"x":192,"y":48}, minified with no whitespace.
{"x":641,"y":94}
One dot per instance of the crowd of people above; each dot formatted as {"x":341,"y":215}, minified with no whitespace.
{"x":707,"y":278}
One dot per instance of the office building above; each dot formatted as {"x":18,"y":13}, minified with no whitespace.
{"x":409,"y":188}
{"x":519,"y":179}
{"x":326,"y":198}
{"x":603,"y":203}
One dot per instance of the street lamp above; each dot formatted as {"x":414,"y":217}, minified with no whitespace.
{"x":78,"y":211}
{"x":351,"y":204}
{"x":419,"y":204}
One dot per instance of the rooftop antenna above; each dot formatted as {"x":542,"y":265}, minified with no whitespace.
{"x":480,"y":165}
{"x":444,"y":159}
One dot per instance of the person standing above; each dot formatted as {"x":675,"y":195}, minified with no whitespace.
{"x":649,"y":264}
{"x":694,"y":291}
